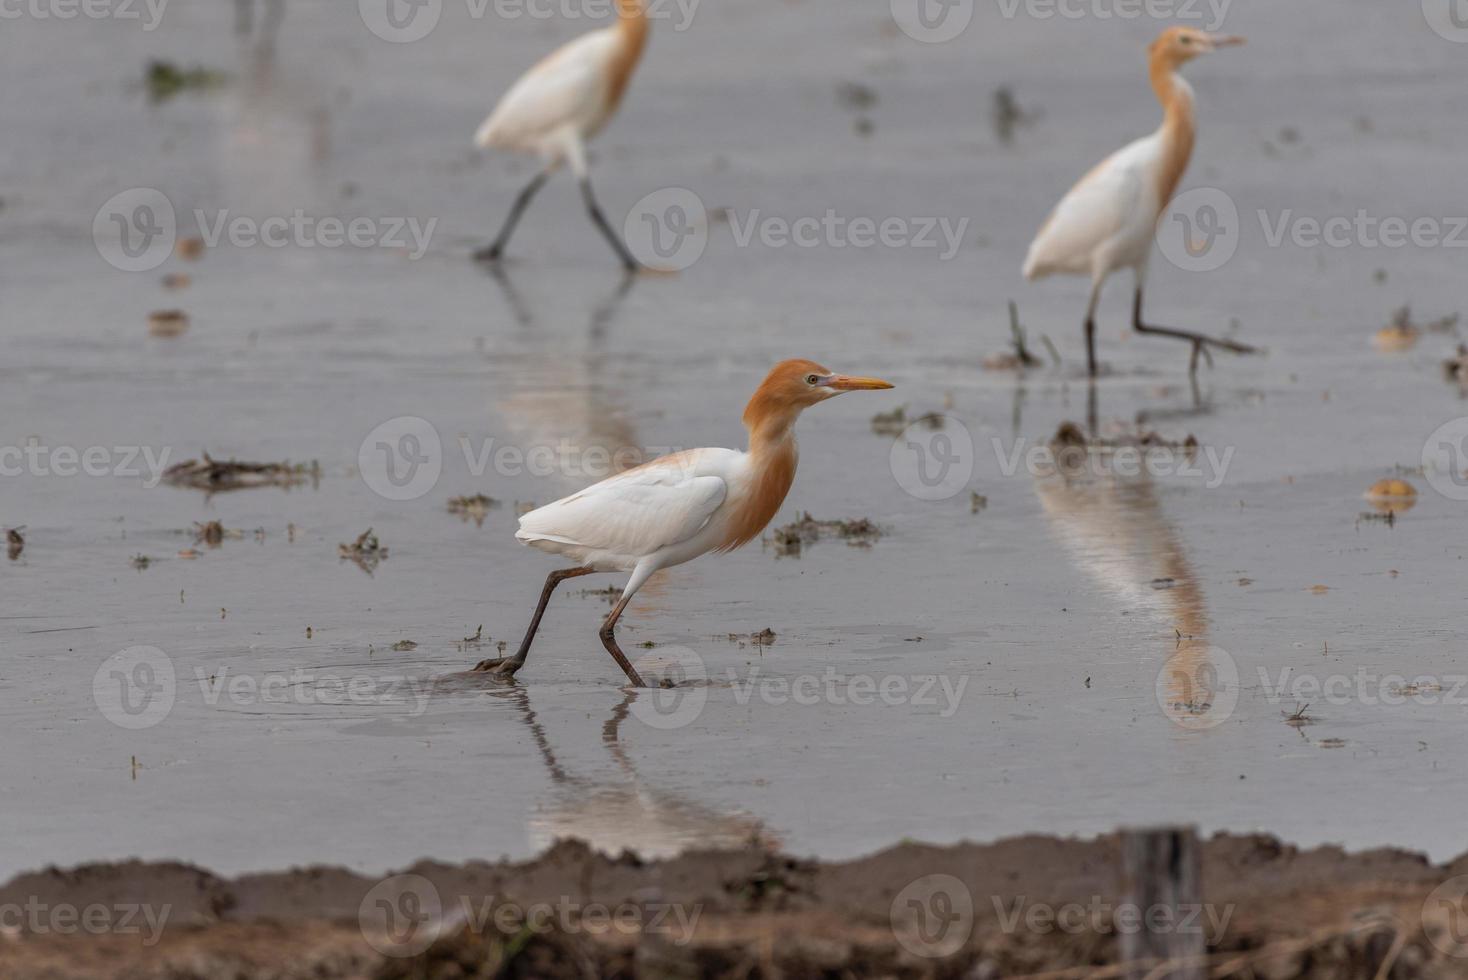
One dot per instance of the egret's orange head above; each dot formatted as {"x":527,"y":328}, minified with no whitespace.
{"x":1179,"y":45}
{"x":794,"y":385}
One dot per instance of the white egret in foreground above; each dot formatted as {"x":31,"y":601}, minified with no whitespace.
{"x":679,"y":506}
{"x":560,"y":104}
{"x":1108,"y":220}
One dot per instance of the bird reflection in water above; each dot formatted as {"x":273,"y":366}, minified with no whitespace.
{"x":624,"y":812}
{"x":563,"y":402}
{"x":1113,"y":528}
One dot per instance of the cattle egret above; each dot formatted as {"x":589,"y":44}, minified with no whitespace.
{"x":679,"y":506}
{"x":560,"y":104}
{"x":1108,"y":220}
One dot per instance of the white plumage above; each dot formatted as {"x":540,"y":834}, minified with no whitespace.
{"x":557,"y":105}
{"x":661,"y":513}
{"x":1106,"y":221}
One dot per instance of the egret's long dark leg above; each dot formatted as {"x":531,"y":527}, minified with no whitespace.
{"x":506,"y":666}
{"x":609,"y":640}
{"x":495,"y":249}
{"x":1199,"y":341}
{"x":1091,"y":330}
{"x":600,"y":220}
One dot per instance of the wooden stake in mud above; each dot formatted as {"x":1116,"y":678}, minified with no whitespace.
{"x":1162,"y":885}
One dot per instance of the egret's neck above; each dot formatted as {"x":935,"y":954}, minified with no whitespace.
{"x":631,"y":38}
{"x":1178,"y":126}
{"x":772,"y":460}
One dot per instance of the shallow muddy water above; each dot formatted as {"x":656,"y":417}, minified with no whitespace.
{"x":1035,"y":665}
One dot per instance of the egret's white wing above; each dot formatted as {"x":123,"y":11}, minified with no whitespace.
{"x":1105,"y":203}
{"x":568,"y":86}
{"x":635,"y":513}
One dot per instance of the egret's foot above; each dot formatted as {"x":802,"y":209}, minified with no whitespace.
{"x":500,"y":666}
{"x":489,"y":253}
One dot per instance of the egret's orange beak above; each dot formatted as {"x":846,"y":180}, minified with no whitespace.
{"x":1226,"y":40}
{"x":843,"y":383}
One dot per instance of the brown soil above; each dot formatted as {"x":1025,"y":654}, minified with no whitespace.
{"x":1275,"y":911}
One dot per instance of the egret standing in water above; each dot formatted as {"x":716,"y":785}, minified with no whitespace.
{"x":680,"y":506}
{"x":559,"y":105}
{"x":1108,"y":220}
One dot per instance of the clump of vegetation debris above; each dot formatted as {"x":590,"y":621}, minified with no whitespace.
{"x":14,"y":543}
{"x":1020,"y":358}
{"x":894,"y":422}
{"x":217,"y":476}
{"x":788,"y":540}
{"x":165,"y":79}
{"x":764,"y":638}
{"x":366,"y":552}
{"x":1402,"y":332}
{"x":213,"y":533}
{"x":1455,"y":368}
{"x":475,"y":508}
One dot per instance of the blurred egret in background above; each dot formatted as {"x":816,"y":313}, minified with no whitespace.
{"x":559,"y":105}
{"x":1107,"y":221}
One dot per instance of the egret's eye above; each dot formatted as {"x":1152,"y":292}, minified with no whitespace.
{"x":812,"y":379}
{"x":1186,"y":39}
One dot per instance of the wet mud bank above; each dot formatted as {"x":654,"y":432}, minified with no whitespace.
{"x":1025,"y":906}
